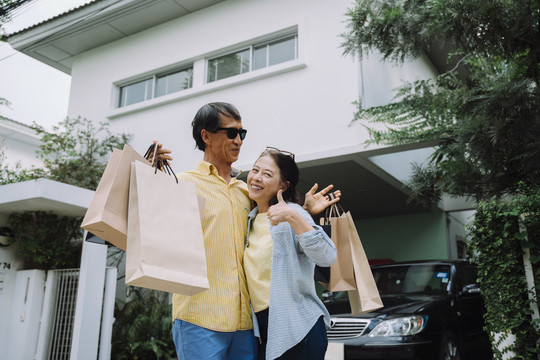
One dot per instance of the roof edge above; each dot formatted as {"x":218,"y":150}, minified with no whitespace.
{"x":76,"y":8}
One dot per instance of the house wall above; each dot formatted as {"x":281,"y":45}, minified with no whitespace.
{"x":457,"y":232}
{"x":409,"y":237}
{"x":292,"y":108}
{"x":9,"y":265}
{"x":19,"y":146}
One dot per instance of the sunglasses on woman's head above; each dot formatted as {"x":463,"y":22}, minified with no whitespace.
{"x":287,"y":153}
{"x":232,"y":133}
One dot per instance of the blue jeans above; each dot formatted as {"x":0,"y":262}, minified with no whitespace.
{"x":312,"y":347}
{"x":193,"y":342}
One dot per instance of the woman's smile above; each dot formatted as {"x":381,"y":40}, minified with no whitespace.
{"x":264,"y":181}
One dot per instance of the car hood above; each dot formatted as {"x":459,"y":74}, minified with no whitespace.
{"x":399,"y":305}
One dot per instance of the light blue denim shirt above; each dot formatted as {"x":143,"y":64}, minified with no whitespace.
{"x":294,"y":305}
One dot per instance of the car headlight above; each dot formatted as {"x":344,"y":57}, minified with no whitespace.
{"x":404,"y":326}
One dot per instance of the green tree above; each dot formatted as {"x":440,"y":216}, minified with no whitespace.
{"x":75,"y":153}
{"x":483,"y":114}
{"x":498,"y":240}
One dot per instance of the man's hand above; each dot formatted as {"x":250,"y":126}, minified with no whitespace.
{"x":315,"y":203}
{"x":163,"y":154}
{"x":280,"y":212}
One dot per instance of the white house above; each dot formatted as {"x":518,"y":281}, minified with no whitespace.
{"x":44,"y":314}
{"x":146,"y":67}
{"x":20,"y":141}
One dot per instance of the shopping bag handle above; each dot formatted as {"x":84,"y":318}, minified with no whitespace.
{"x":158,"y":164}
{"x":334,"y":210}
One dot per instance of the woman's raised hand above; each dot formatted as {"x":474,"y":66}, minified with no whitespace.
{"x":280,"y":212}
{"x":315,"y":203}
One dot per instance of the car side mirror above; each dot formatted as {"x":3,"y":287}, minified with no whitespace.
{"x":471,"y":289}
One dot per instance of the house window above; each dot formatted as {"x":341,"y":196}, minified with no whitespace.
{"x":228,"y":65}
{"x":157,"y":85}
{"x":255,"y":57}
{"x":461,"y":246}
{"x":180,"y":80}
{"x":136,"y":92}
{"x":274,"y":52}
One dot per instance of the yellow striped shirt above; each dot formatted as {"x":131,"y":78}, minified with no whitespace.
{"x":225,"y":306}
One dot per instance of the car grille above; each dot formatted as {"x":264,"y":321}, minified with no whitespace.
{"x":342,"y":329}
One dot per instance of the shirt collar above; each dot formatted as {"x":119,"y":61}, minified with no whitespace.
{"x":235,"y":172}
{"x":207,"y":169}
{"x":253,"y":213}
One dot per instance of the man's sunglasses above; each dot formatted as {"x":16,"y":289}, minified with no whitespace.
{"x":232,"y":133}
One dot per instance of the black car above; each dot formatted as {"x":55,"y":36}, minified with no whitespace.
{"x":432,"y":310}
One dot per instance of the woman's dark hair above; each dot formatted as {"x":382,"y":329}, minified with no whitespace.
{"x":289,"y":174}
{"x":207,"y":118}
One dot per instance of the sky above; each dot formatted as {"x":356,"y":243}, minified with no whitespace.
{"x":37,"y":92}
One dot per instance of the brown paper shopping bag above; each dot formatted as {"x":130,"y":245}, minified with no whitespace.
{"x":322,"y":273}
{"x":342,"y":271}
{"x":165,"y":247}
{"x":366,"y":296}
{"x":107,"y":214}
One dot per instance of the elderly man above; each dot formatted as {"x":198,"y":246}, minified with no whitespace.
{"x":217,"y":324}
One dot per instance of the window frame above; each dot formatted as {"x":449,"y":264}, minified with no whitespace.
{"x":267,"y":43}
{"x":153,"y":77}
{"x":238,"y":50}
{"x":251,"y":47}
{"x":199,"y":62}
{"x":157,"y":76}
{"x":122,"y":100}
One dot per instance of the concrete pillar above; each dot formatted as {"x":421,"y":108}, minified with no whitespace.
{"x":84,"y":345}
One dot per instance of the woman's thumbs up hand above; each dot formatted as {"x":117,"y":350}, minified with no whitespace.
{"x":280,"y":212}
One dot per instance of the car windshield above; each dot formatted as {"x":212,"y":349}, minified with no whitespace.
{"x":412,"y":279}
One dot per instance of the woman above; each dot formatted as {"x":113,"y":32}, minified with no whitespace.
{"x":282,"y":247}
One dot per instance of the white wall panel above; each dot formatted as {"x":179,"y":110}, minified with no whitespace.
{"x":305,"y":110}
